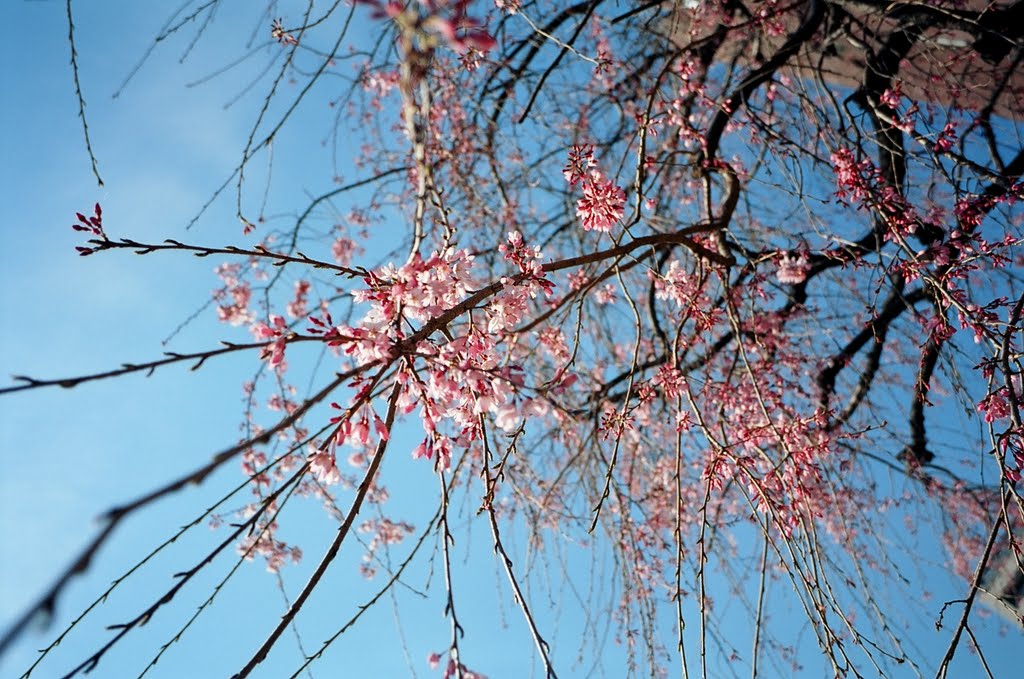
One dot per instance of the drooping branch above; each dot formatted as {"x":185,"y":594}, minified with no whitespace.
{"x":149,"y":367}
{"x":332,"y":551}
{"x":81,"y":99}
{"x":257,"y":251}
{"x":113,"y":517}
{"x":972,"y":594}
{"x":183,"y":577}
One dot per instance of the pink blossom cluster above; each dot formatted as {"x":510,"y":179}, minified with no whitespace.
{"x":379,"y":83}
{"x":850,"y":175}
{"x":453,"y":669}
{"x":861,"y":181}
{"x":687,"y":291}
{"x":261,"y":542}
{"x":324,"y":465}
{"x":277,"y":330}
{"x":343,"y":249}
{"x":509,"y":306}
{"x":510,"y":6}
{"x":971,"y":211}
{"x":603,"y":203}
{"x":354,"y":431}
{"x":454,"y":381}
{"x":947,"y":137}
{"x":671,"y":380}
{"x":792,"y":269}
{"x":93,"y":225}
{"x":297,"y":307}
{"x":233,"y":299}
{"x":463,"y":379}
{"x":581,"y":159}
{"x":1013,"y":448}
{"x":995,"y":406}
{"x":420,"y":290}
{"x":526,"y":258}
{"x":384,"y":532}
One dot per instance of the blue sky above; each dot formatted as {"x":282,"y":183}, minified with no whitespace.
{"x":70,"y":454}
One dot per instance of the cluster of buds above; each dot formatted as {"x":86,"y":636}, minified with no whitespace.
{"x":93,"y":225}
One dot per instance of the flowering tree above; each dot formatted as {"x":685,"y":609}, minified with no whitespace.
{"x":685,"y":282}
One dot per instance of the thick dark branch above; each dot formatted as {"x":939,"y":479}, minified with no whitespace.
{"x":877,"y":329}
{"x":740,"y":96}
{"x":917,"y":453}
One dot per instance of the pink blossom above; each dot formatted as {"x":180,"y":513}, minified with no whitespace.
{"x":581,"y":158}
{"x":380,"y":428}
{"x":792,"y":270}
{"x":671,"y":380}
{"x":994,"y":406}
{"x":422,"y":451}
{"x":510,"y":6}
{"x":237,"y":311}
{"x":278,"y":33}
{"x":526,"y":258}
{"x":892,"y":97}
{"x":506,"y":418}
{"x":323,"y":466}
{"x":602,"y":205}
{"x":276,"y":330}
{"x":850,"y":174}
{"x":343,"y":249}
{"x":506,"y":309}
{"x":606,"y":294}
{"x":946,"y":138}
{"x":443,"y":446}
{"x":297,"y":307}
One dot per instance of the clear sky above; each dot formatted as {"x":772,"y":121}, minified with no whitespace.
{"x":69,"y":454}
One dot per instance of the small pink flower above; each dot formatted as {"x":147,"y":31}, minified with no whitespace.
{"x":946,"y":138}
{"x":792,"y":270}
{"x":278,"y":33}
{"x":892,"y":97}
{"x":422,"y":450}
{"x":325,"y":469}
{"x":606,"y":295}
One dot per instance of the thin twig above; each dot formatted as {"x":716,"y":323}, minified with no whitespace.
{"x":81,"y":99}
